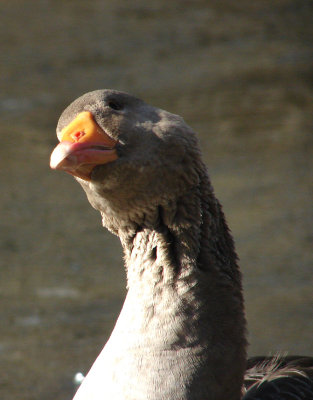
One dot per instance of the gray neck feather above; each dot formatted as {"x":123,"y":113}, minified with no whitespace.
{"x":182,"y":327}
{"x":181,"y":332}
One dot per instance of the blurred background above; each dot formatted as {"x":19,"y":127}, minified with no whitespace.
{"x":241,"y":75}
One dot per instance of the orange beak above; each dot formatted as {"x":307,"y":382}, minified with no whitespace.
{"x":83,"y":145}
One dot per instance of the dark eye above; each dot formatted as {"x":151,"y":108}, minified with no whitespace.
{"x":114,"y":105}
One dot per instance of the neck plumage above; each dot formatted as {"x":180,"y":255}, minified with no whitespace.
{"x":181,"y":332}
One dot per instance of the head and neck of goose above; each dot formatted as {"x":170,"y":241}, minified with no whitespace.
{"x":181,"y":332}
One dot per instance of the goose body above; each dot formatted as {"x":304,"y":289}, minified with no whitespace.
{"x":181,"y":332}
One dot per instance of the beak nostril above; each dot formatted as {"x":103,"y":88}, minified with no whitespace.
{"x":77,"y":135}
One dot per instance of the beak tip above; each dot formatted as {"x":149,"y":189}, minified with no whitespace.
{"x":53,"y":161}
{"x":59,"y":155}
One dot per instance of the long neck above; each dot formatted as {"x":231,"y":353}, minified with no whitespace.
{"x":184,"y":304}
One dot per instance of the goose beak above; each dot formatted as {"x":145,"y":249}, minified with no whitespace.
{"x":83,"y":145}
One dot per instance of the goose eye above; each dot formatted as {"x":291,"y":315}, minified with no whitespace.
{"x":114,"y":105}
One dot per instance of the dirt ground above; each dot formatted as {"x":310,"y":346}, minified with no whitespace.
{"x":241,"y":75}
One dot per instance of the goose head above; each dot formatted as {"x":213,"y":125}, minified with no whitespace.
{"x":128,"y":156}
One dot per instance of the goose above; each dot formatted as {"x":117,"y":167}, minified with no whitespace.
{"x":181,"y":333}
